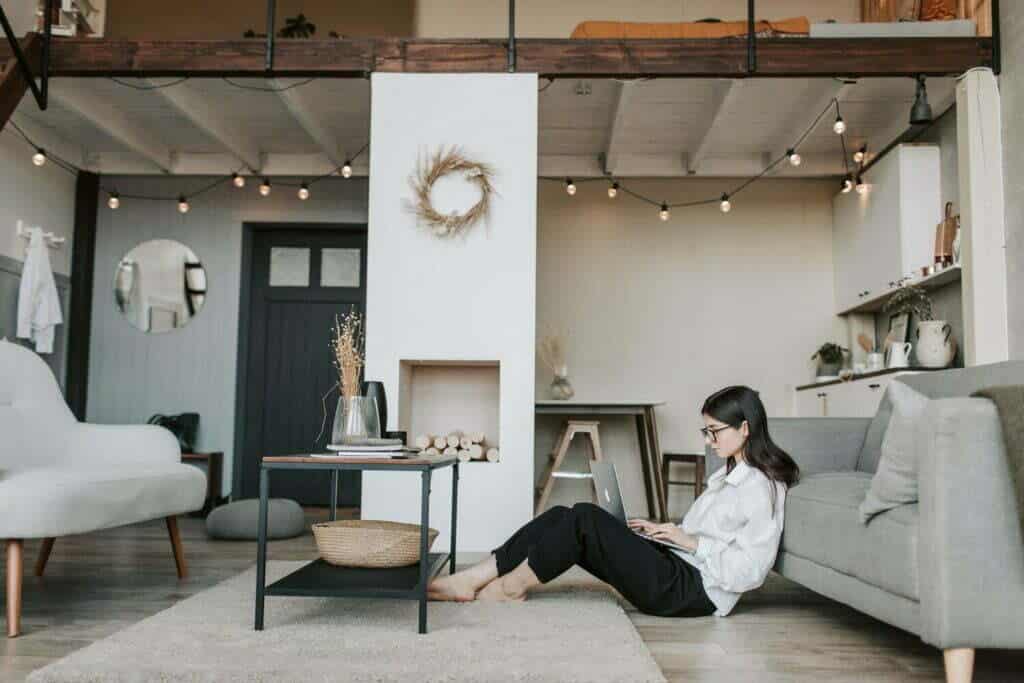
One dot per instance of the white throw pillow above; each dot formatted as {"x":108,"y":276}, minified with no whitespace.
{"x":895,"y":482}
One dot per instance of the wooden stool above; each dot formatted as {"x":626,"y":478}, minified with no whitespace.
{"x":547,"y":482}
{"x":698,"y":480}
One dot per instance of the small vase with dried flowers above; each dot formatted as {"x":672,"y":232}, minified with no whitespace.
{"x":356,"y":419}
{"x":551,"y":350}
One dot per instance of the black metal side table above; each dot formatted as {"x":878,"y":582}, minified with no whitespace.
{"x":320,"y":579}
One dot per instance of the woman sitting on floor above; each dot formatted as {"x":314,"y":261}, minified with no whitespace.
{"x":731,"y":532}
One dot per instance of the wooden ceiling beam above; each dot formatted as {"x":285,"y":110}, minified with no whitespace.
{"x":108,"y":117}
{"x":556,"y":58}
{"x":203,"y":111}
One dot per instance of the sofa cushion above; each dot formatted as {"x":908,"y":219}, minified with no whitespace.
{"x":822,"y":525}
{"x":65,"y":500}
{"x":895,"y":482}
{"x":871,"y":451}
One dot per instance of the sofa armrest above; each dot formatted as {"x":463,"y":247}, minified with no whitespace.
{"x":124,"y":445}
{"x":817,"y":444}
{"x":970,"y":547}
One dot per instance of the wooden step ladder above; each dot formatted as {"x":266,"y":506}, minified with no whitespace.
{"x":588,"y":429}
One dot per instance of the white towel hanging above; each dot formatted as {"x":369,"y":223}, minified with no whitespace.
{"x":38,"y":303}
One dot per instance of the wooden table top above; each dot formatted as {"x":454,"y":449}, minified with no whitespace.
{"x":435,"y":460}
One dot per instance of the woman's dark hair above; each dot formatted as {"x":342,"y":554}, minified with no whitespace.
{"x":733,"y":405}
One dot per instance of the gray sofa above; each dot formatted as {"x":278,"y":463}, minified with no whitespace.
{"x":949,"y":568}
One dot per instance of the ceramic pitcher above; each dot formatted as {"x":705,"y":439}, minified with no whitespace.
{"x":899,"y":355}
{"x":935,"y":344}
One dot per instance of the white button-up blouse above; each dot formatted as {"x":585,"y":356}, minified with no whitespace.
{"x":737,"y":533}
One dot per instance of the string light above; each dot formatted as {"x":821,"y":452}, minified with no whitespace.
{"x":304,"y":192}
{"x":862,"y":187}
{"x":663,"y":214}
{"x":725,"y":205}
{"x":847,"y":184}
{"x":794,"y":158}
{"x":839,"y":127}
{"x":39,"y":158}
{"x":613,"y":191}
{"x":239,"y":181}
{"x":182,"y":204}
{"x":114,"y":200}
{"x":570,"y":187}
{"x":265,"y":187}
{"x":346,"y":169}
{"x":860,"y":155}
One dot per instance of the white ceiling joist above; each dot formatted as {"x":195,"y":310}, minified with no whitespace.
{"x":725,"y":100}
{"x":614,"y":147}
{"x":202,"y":111}
{"x":106,"y":116}
{"x":300,"y":105}
{"x":305,"y":166}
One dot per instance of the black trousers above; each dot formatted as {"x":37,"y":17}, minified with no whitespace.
{"x":654,"y":579}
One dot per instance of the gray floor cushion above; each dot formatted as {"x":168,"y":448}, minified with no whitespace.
{"x":240,"y":520}
{"x":822,"y":525}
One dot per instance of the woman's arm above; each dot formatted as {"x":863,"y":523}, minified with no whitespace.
{"x":742,"y":562}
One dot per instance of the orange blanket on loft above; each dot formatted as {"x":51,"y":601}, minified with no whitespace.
{"x":797,"y":26}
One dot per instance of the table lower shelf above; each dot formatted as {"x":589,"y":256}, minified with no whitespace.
{"x":320,"y":579}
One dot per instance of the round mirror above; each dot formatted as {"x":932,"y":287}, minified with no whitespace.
{"x":159,"y":286}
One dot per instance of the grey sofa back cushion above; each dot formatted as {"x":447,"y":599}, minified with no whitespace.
{"x":940,"y":384}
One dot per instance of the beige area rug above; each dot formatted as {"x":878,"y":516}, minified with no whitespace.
{"x":573,"y":629}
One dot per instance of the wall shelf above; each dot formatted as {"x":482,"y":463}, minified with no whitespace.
{"x":939,"y":279}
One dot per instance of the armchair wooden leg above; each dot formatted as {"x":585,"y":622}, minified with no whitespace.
{"x":959,"y":663}
{"x":44,"y":555}
{"x":179,"y":552}
{"x":14,"y":577}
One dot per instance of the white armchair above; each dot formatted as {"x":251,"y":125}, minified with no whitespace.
{"x":60,"y":477}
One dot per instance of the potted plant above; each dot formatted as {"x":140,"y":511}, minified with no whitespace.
{"x":830,"y":359}
{"x":934,"y":340}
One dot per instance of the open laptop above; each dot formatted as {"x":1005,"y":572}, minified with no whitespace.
{"x":609,"y":497}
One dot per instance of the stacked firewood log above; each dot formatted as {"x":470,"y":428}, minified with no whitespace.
{"x":466,"y":445}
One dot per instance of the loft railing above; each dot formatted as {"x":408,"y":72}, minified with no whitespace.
{"x":40,"y":91}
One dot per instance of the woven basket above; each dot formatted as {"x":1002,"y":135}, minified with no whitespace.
{"x":368,"y":543}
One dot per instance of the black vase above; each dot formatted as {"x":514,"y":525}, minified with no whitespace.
{"x":375,"y":390}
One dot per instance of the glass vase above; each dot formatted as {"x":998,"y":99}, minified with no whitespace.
{"x":356,"y":420}
{"x":561,"y":389}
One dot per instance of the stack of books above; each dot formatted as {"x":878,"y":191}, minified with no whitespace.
{"x":370,"y":449}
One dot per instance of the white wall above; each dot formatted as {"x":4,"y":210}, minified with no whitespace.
{"x":133,"y":375}
{"x":470,"y":298}
{"x":675,"y":310}
{"x":22,"y":15}
{"x":43,"y":196}
{"x":1011,"y":90}
{"x":545,"y":19}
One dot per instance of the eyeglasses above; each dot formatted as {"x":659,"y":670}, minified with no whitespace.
{"x":711,"y":433}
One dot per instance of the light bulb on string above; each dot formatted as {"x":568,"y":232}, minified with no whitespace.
{"x":182,"y":204}
{"x":114,"y":200}
{"x":860,"y":155}
{"x":725,"y":205}
{"x":570,"y":187}
{"x":862,"y":187}
{"x":265,"y":187}
{"x":346,"y":169}
{"x":847,"y":185}
{"x":304,"y":192}
{"x":794,"y":158}
{"x":663,"y":214}
{"x":39,"y":158}
{"x":238,"y":180}
{"x":839,"y":127}
{"x":613,"y":191}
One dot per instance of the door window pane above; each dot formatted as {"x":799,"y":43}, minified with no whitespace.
{"x":289,"y":267}
{"x":340,"y":268}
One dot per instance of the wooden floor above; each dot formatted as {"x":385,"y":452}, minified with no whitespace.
{"x":100,"y":583}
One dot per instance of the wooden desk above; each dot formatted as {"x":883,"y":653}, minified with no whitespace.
{"x":647,"y":436}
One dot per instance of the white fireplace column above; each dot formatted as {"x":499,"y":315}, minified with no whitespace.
{"x":469,"y":299}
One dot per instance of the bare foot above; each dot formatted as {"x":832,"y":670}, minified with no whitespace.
{"x":497,"y":591}
{"x":452,"y":588}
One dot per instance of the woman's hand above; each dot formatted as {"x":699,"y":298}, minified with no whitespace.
{"x":642,"y":525}
{"x":674,"y":534}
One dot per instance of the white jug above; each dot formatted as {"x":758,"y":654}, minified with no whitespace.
{"x":935,"y":344}
{"x":899,"y":355}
